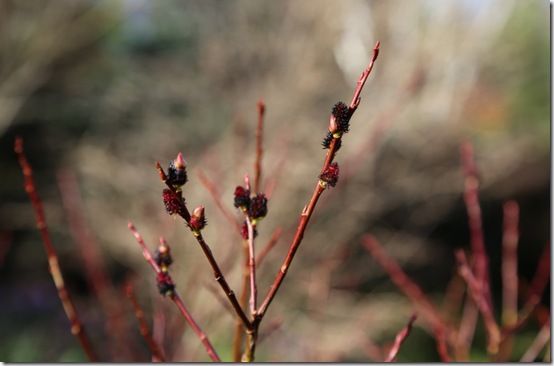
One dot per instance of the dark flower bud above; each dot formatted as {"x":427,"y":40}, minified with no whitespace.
{"x":197,"y":219}
{"x":165,"y":284}
{"x":330,"y":175}
{"x":258,"y":206}
{"x":163,"y":256}
{"x":242,"y":198}
{"x":342,"y":114}
{"x":177,"y":172}
{"x":327,"y":142}
{"x":173,"y":202}
{"x":244,"y":231}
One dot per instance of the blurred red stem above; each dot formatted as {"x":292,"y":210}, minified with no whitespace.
{"x":96,"y":274}
{"x":509,"y":263}
{"x":478,"y":296}
{"x":143,"y":325}
{"x":77,"y":328}
{"x":400,"y":338}
{"x":404,"y":283}
{"x":259,"y":146}
{"x":214,"y":193}
{"x":538,"y":344}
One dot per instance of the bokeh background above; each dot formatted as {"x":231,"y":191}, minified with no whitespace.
{"x":100,"y":90}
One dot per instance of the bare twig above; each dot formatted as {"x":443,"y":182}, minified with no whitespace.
{"x":400,"y":338}
{"x":175,"y":296}
{"x":466,"y":330}
{"x":185,"y":214}
{"x":471,"y":199}
{"x":479,"y":255}
{"x":442,"y":346}
{"x":453,"y":297}
{"x":243,"y":299}
{"x":479,"y":297}
{"x":259,"y":146}
{"x":318,"y":190}
{"x":252,"y":335}
{"x":404,"y":283}
{"x":77,"y":328}
{"x":534,"y":294}
{"x":96,"y":273}
{"x":143,"y":325}
{"x":276,"y":173}
{"x":509,"y":264}
{"x":214,"y":193}
{"x":538,"y":344}
{"x":252,"y":268}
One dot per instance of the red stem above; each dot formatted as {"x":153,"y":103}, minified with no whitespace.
{"x":404,"y":283}
{"x":77,"y":328}
{"x":175,"y":297}
{"x":538,"y":344}
{"x":252,"y":267}
{"x":509,"y":263}
{"x":473,"y":207}
{"x":442,"y":347}
{"x":211,"y":188}
{"x":196,"y":329}
{"x":143,"y":325}
{"x":318,"y":190}
{"x":259,"y":146}
{"x":400,"y":338}
{"x":479,"y":297}
{"x":218,"y":274}
{"x":95,"y":270}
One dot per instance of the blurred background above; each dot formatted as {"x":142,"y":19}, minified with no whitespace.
{"x":100,"y":90}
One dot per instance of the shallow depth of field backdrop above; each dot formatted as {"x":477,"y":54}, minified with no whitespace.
{"x":103,"y":89}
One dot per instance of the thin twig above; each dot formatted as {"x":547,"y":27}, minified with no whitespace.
{"x":509,"y":264}
{"x":77,"y":328}
{"x":276,"y":173}
{"x":252,"y":267}
{"x":466,"y":330}
{"x":243,"y":299}
{"x":534,"y":294}
{"x":442,"y":346}
{"x":214,"y":193}
{"x":252,"y":335}
{"x":175,"y":297}
{"x":479,"y":297}
{"x":400,"y":338}
{"x":404,"y":283}
{"x":95,"y":270}
{"x":538,"y":344}
{"x":270,"y":245}
{"x":259,"y":146}
{"x":453,"y":297}
{"x":479,"y":255}
{"x":541,"y":278}
{"x":143,"y":325}
{"x":159,"y":324}
{"x":219,"y":277}
{"x":318,"y":190}
{"x":471,"y":199}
